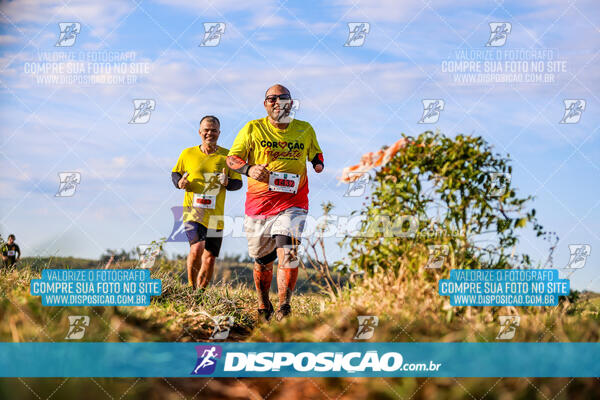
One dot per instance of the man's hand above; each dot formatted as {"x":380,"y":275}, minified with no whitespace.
{"x":259,"y":172}
{"x":183,"y":182}
{"x":317,"y":163}
{"x":223,"y":180}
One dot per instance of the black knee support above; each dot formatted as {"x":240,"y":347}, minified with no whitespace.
{"x":269,"y":258}
{"x":282,"y":241}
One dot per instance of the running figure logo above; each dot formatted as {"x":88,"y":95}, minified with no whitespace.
{"x":207,"y":359}
{"x":579,"y":255}
{"x":499,"y":182}
{"x":437,"y":255}
{"x":212,"y":34}
{"x":142,"y":108}
{"x":68,"y":183}
{"x":68,"y":33}
{"x":178,"y":231}
{"x":212,"y":186}
{"x":366,"y":327}
{"x":431,"y":111}
{"x":77,"y":325}
{"x":223,"y":324}
{"x":508,"y":326}
{"x":148,"y":254}
{"x":498,"y":33}
{"x":358,"y":33}
{"x":292,"y":260}
{"x":358,"y":186}
{"x":287,"y":110}
{"x":573,"y":110}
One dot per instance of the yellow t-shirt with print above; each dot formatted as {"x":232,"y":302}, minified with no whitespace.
{"x":282,"y":150}
{"x":203,"y":172}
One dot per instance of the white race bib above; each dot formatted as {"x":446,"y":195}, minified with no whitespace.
{"x":284,"y":182}
{"x":11,"y":253}
{"x":204,"y":201}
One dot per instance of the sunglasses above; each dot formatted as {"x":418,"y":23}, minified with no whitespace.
{"x":273,"y":98}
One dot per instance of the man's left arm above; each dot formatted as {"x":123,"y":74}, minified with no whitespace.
{"x":230,"y":180}
{"x":18,"y":250}
{"x":233,"y":185}
{"x":235,"y":180}
{"x":315,"y":154}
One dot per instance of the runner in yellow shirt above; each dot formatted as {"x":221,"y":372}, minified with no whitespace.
{"x":272,"y":152}
{"x":203,"y":173}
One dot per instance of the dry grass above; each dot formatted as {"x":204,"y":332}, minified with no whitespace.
{"x":410,"y":309}
{"x":179,"y":314}
{"x":407,"y":304}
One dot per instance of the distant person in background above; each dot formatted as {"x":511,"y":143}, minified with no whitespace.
{"x":9,"y":252}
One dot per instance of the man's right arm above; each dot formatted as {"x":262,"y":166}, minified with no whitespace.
{"x":176,"y":173}
{"x":176,"y":177}
{"x":257,"y":172}
{"x":237,"y":164}
{"x":239,"y":151}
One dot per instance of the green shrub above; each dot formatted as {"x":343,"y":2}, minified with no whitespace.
{"x":441,"y":191}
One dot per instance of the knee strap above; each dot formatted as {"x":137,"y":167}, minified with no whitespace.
{"x":269,"y":258}
{"x":283,"y":240}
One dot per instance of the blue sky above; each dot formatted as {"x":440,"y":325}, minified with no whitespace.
{"x":357,"y":99}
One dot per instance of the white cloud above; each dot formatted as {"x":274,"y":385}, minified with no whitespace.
{"x":382,"y":10}
{"x":101,"y":16}
{"x":222,"y":6}
{"x":9,"y":39}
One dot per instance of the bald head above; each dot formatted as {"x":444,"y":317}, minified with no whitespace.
{"x":277,"y":89}
{"x":278,"y":103}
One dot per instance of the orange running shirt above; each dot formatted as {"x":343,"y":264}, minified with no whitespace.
{"x":282,"y":150}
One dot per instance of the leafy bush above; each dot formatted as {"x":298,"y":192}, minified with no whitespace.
{"x":454,"y":192}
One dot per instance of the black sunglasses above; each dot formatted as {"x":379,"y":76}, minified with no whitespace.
{"x":273,"y":98}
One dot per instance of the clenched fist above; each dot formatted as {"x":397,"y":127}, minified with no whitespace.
{"x":259,"y":172}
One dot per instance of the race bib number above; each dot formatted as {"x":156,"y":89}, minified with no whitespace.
{"x":205,"y":201}
{"x":11,"y":253}
{"x":283,"y":182}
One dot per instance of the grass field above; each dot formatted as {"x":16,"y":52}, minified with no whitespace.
{"x":408,"y":307}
